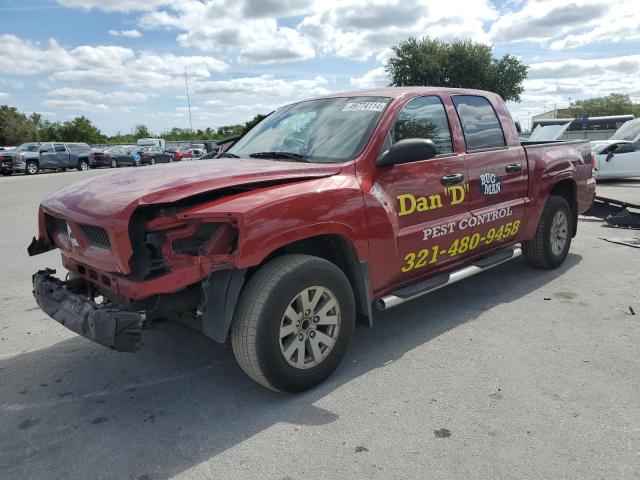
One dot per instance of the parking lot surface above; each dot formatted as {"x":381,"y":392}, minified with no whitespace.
{"x":515,"y":373}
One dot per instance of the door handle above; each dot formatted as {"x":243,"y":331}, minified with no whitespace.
{"x":513,"y":167}
{"x":452,"y":179}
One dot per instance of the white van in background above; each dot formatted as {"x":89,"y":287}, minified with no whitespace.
{"x":151,"y":142}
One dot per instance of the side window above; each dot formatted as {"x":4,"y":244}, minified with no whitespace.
{"x":59,"y":147}
{"x":47,"y":147}
{"x":479,"y":122}
{"x":424,"y":117}
{"x":623,"y":148}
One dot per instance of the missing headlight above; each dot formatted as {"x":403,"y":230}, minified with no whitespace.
{"x":194,"y":244}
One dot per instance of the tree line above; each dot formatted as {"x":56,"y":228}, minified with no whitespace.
{"x":17,"y":127}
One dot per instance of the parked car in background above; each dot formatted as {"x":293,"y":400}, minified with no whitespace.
{"x":120,"y":156}
{"x":179,"y":153}
{"x":6,"y":148}
{"x":197,"y":152}
{"x":153,"y":155}
{"x":98,"y":158}
{"x":618,"y":157}
{"x":14,"y":160}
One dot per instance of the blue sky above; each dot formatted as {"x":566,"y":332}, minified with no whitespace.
{"x":120,"y":62}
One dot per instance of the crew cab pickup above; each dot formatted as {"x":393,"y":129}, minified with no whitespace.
{"x":326,"y":210}
{"x":30,"y":158}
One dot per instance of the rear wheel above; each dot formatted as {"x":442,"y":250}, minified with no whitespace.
{"x":114,"y":163}
{"x":550,"y":246}
{"x":83,"y":165}
{"x":6,"y":173}
{"x":32,"y":168}
{"x":153,"y":160}
{"x":293,"y":323}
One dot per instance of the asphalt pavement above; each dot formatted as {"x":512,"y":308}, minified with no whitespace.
{"x":515,"y":373}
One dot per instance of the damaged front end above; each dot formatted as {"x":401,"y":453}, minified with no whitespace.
{"x":179,"y":268}
{"x":68,"y":303}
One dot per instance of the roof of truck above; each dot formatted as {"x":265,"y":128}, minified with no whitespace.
{"x":395,"y":92}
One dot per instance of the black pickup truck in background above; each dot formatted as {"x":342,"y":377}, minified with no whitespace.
{"x":30,"y":158}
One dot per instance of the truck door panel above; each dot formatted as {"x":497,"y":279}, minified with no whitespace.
{"x":47,"y":156}
{"x":497,"y":175}
{"x":62,"y":157}
{"x":425,"y":210}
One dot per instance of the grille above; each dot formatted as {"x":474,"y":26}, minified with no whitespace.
{"x":97,"y":236}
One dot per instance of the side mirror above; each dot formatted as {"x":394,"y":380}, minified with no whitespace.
{"x":406,"y":151}
{"x":609,"y":155}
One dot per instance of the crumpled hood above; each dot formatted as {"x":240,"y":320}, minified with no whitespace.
{"x":109,"y":200}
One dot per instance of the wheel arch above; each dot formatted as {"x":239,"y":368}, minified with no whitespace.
{"x":567,"y":189}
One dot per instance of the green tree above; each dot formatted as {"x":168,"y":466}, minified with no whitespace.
{"x":253,"y":122}
{"x":15,"y":127}
{"x":612,"y":104}
{"x":141,"y":131}
{"x":80,"y":129}
{"x":459,"y":64}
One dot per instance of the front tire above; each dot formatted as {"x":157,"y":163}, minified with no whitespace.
{"x":32,"y":168}
{"x":552,"y":241}
{"x":293,"y":323}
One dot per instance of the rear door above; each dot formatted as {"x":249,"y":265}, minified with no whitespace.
{"x":62,"y":157}
{"x":427,"y":204}
{"x":47,"y":156}
{"x":497,"y":174}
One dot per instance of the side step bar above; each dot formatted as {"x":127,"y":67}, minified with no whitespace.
{"x":432,"y":284}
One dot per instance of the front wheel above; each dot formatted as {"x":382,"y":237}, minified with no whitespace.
{"x":293,"y":323}
{"x":32,"y":168}
{"x":550,"y":246}
{"x":6,"y":173}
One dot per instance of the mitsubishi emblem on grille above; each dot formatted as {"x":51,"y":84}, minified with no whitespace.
{"x":72,"y":239}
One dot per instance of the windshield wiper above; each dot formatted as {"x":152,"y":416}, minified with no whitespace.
{"x":228,"y":155}
{"x":279,"y":155}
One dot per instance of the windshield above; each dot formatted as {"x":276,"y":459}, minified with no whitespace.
{"x":629,"y":131}
{"x":27,"y":147}
{"x":329,"y":130}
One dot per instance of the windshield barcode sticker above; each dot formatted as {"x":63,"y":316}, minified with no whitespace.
{"x":364,"y":107}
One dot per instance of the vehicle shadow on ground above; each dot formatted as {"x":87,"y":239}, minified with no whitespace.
{"x":77,"y":410}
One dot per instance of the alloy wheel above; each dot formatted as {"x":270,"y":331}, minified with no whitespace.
{"x":310,"y":327}
{"x":559,"y":232}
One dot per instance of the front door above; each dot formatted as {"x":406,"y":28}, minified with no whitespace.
{"x":428,"y":198}
{"x":497,"y":175}
{"x":622,"y":161}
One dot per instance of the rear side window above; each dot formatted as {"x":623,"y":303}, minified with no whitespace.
{"x":424,"y":117}
{"x":479,"y":122}
{"x":59,"y":147}
{"x":47,"y":147}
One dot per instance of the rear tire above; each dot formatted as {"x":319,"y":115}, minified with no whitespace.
{"x":83,"y":166}
{"x":552,"y":241}
{"x":284,"y":342}
{"x":32,"y":168}
{"x":114,"y":163}
{"x":153,"y":160}
{"x":6,"y":173}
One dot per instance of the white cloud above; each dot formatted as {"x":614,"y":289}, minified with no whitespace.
{"x":125,"y":33}
{"x":113,"y":5}
{"x":375,"y":78}
{"x":360,"y":29}
{"x":80,"y":106}
{"x":4,"y":95}
{"x":264,"y":86}
{"x":95,"y":95}
{"x":242,"y":27}
{"x":23,"y":57}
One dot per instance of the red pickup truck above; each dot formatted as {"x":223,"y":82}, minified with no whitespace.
{"x":325,"y":210}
